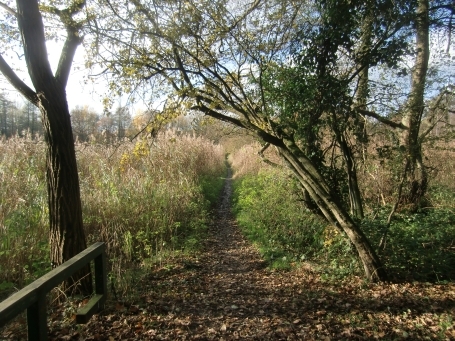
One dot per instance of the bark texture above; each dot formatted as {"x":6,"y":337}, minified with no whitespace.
{"x":67,"y":236}
{"x":332,"y":210}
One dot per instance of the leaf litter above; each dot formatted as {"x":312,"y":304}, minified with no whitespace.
{"x":227,"y":293}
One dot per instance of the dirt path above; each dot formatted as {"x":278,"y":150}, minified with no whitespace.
{"x":227,"y":293}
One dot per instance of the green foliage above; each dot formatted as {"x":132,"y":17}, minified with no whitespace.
{"x":211,"y":187}
{"x":268,"y":209}
{"x":419,"y":246}
{"x":337,"y":258}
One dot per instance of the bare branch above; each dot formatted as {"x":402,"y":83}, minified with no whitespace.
{"x":381,"y":119}
{"x":444,"y":6}
{"x":8,"y":9}
{"x":265,"y":160}
{"x":244,"y":15}
{"x":15,"y":81}
{"x":215,"y":114}
{"x":263,"y":149}
{"x":434,"y":109}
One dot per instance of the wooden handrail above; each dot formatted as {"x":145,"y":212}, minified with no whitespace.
{"x":33,"y":296}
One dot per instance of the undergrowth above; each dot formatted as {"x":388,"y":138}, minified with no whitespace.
{"x":268,"y":206}
{"x":419,"y":247}
{"x":149,"y":201}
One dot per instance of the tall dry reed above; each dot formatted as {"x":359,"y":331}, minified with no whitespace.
{"x":246,"y":161}
{"x":143,"y":198}
{"x":23,"y":211}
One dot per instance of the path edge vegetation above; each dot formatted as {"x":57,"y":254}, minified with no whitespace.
{"x":268,"y":206}
{"x":226,"y":65}
{"x":298,"y":123}
{"x":150,"y":201}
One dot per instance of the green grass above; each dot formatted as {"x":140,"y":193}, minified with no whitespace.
{"x":268,"y":209}
{"x":420,"y":247}
{"x":211,"y":187}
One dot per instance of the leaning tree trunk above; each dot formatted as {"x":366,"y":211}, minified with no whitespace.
{"x":66,"y":228}
{"x":316,"y":186}
{"x":355,"y":197}
{"x":417,"y":178}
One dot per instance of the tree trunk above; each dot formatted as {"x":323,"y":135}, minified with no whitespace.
{"x":65,"y":210}
{"x":310,"y":178}
{"x":363,"y":89}
{"x":355,"y":198}
{"x":335,"y":214}
{"x":417,"y":178}
{"x":361,"y":99}
{"x":66,"y":236}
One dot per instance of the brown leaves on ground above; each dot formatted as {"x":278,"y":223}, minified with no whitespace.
{"x":227,"y":293}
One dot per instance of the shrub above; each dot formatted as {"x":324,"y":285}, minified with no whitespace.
{"x":419,"y":246}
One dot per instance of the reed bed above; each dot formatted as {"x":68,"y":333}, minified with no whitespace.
{"x":146,"y":199}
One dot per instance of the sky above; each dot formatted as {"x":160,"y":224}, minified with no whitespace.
{"x":81,"y":89}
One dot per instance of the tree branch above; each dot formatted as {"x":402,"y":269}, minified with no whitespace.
{"x":242,"y":124}
{"x":34,"y":42}
{"x":66,"y":58}
{"x":381,"y":119}
{"x":265,"y":160}
{"x":72,"y":40}
{"x":433,"y":109}
{"x":15,"y":81}
{"x":215,"y":114}
{"x":445,"y":6}
{"x":8,"y":9}
{"x":244,"y":15}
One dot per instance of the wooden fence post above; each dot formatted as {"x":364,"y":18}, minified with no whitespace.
{"x":37,"y":319}
{"x":101,"y":275}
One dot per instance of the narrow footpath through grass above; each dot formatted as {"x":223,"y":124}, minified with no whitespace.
{"x":228,"y":293}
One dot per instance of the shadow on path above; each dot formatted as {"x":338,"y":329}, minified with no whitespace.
{"x":229,"y":294}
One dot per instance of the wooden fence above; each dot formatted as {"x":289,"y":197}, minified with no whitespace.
{"x":33,"y":297}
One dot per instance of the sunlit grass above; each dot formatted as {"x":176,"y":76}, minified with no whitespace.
{"x":419,"y":246}
{"x":147,"y":199}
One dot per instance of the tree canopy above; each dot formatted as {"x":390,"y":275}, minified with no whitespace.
{"x":304,"y":76}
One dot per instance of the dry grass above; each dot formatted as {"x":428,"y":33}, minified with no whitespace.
{"x":22,"y":210}
{"x":380,"y":172}
{"x":144,"y":199}
{"x":246,"y":161}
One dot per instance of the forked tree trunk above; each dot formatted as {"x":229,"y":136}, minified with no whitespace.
{"x":66,"y":228}
{"x":355,"y":197}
